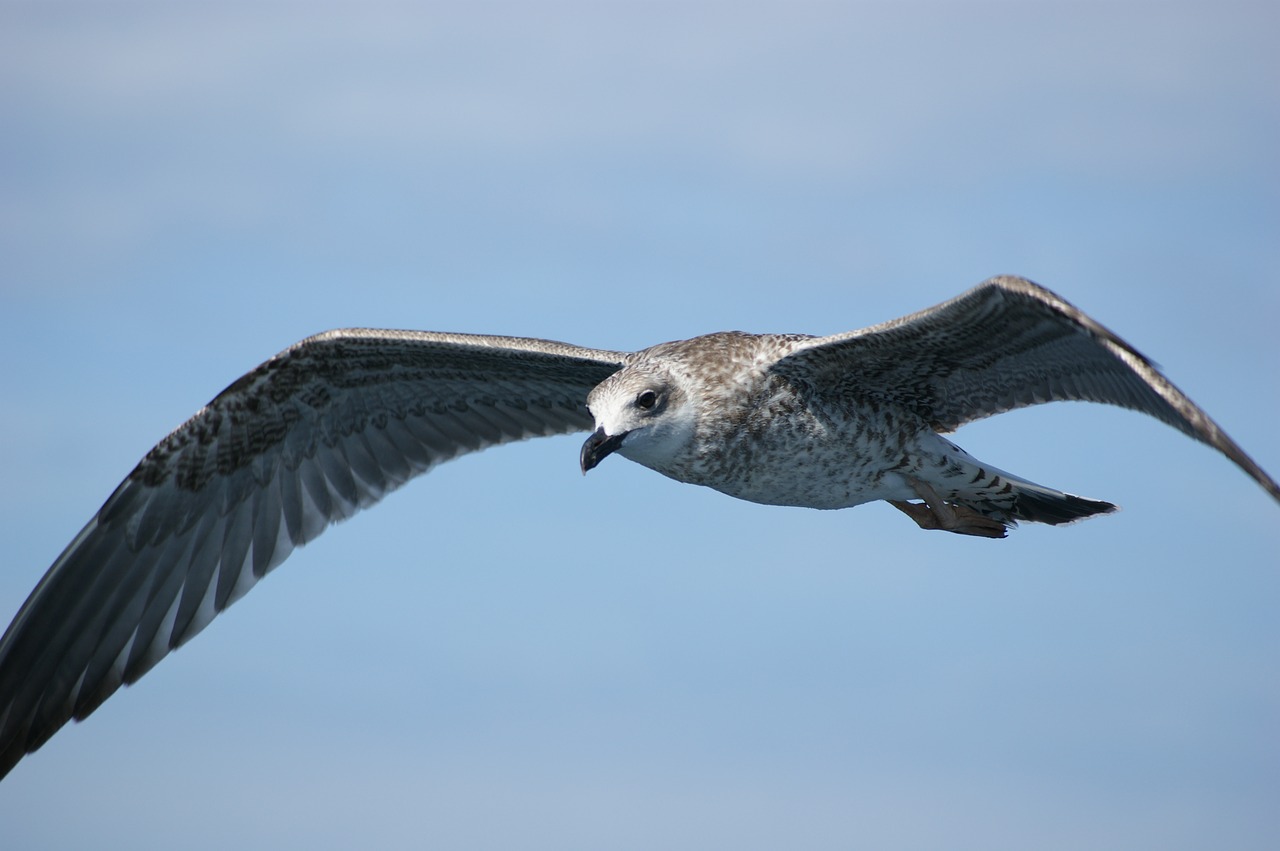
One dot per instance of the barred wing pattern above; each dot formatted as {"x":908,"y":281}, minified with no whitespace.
{"x":1004,"y":344}
{"x":320,"y":431}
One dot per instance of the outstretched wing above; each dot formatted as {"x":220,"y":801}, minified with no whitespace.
{"x":1005,"y":344}
{"x":310,"y":437}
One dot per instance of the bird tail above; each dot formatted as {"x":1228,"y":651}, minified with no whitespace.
{"x":1038,"y":504}
{"x":1008,"y":498}
{"x":990,"y":494}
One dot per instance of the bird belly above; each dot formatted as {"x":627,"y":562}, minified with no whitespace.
{"x":815,"y":460}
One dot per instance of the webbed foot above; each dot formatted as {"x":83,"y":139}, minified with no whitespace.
{"x":936,"y":513}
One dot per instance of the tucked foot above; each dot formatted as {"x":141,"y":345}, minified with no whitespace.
{"x":936,"y":513}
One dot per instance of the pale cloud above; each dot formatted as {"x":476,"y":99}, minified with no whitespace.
{"x":121,"y":126}
{"x":819,"y":89}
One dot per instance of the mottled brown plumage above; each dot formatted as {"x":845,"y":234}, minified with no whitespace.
{"x":332,"y":424}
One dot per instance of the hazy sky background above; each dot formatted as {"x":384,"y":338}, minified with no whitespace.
{"x":507,"y":655}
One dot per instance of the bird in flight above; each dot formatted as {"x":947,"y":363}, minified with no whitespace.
{"x":332,"y":424}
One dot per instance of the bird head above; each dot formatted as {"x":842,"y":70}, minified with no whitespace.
{"x":642,"y":413}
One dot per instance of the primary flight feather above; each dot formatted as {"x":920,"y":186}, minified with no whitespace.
{"x":335,"y":422}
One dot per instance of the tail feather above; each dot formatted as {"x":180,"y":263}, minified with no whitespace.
{"x":1038,"y":504}
{"x":1009,"y":498}
{"x":1000,"y":496}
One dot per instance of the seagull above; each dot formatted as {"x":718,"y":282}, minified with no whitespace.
{"x":332,"y":424}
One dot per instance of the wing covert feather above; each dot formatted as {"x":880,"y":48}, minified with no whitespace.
{"x":1007,"y":343}
{"x":321,"y":430}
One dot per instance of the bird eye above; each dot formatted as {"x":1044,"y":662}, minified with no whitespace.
{"x":646,"y":399}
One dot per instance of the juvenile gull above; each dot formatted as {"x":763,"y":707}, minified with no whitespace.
{"x":332,"y":424}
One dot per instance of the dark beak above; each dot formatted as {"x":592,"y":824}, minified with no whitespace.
{"x":597,"y":447}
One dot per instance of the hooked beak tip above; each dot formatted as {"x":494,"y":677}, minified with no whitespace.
{"x":597,"y":447}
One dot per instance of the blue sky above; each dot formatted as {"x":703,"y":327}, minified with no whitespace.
{"x":506,"y":654}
